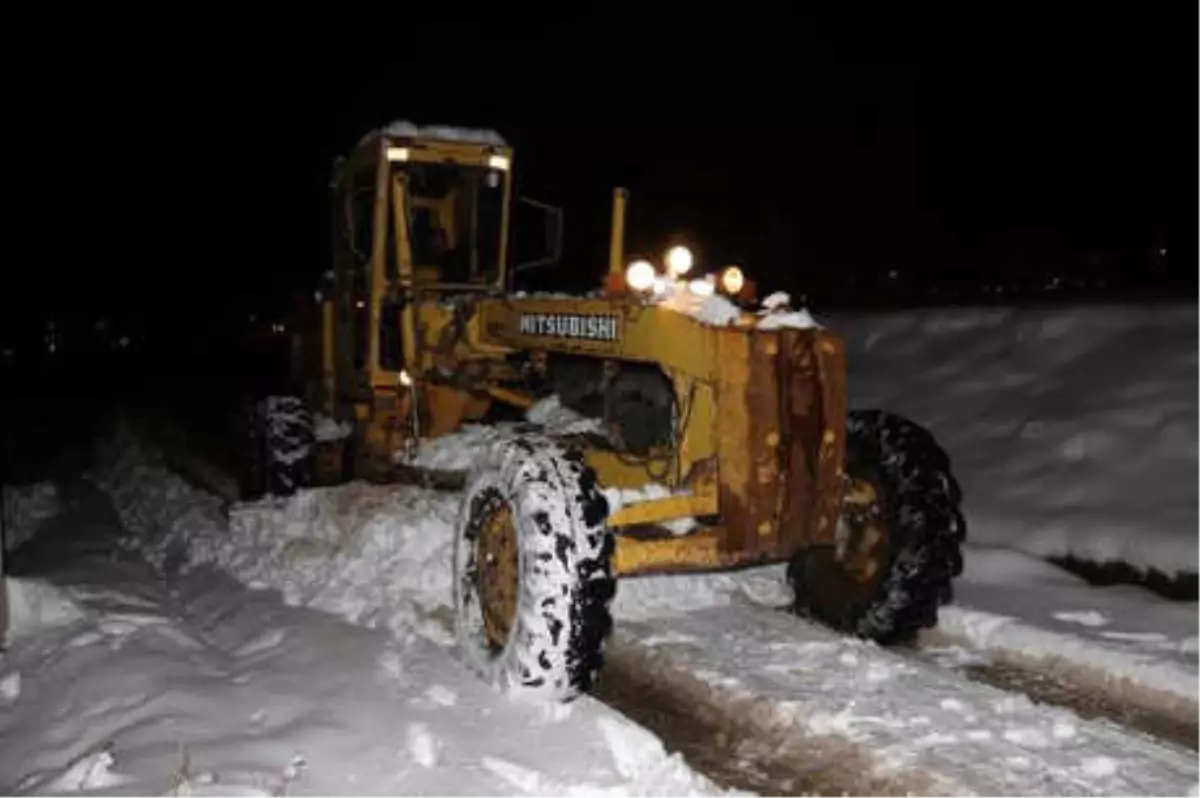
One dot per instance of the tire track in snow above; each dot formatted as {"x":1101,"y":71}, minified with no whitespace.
{"x":867,"y":720}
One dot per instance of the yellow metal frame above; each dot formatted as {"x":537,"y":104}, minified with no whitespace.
{"x":764,"y":405}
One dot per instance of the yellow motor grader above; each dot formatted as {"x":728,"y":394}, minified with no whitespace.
{"x":730,"y":422}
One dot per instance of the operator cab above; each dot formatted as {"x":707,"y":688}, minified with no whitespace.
{"x":425,"y":205}
{"x":417,"y":211}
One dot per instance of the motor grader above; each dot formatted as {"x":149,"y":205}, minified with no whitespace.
{"x":736,"y":417}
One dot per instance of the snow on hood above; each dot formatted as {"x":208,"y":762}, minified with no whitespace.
{"x":718,"y":311}
{"x":714,"y":309}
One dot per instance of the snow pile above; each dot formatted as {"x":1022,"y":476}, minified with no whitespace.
{"x":163,"y":510}
{"x":718,"y":311}
{"x":377,"y":555}
{"x":25,"y":508}
{"x":1071,"y":431}
{"x":712,"y":309}
{"x":380,"y":556}
{"x":35,"y":605}
{"x":558,"y":420}
{"x":459,"y":450}
{"x":777,"y":314}
{"x":330,"y":429}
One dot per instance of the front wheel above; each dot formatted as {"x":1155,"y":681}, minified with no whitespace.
{"x":899,"y":535}
{"x":532,"y":567}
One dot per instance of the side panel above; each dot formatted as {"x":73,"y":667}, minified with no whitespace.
{"x":814,"y":379}
{"x":748,"y":437}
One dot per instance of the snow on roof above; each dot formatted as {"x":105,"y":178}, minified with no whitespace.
{"x":405,"y":129}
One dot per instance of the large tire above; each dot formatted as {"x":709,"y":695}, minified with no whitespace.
{"x":278,"y":458}
{"x":898,"y":553}
{"x":532,"y":570}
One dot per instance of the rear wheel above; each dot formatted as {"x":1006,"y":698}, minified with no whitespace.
{"x":533,"y":579}
{"x":279,"y":441}
{"x":899,"y":537}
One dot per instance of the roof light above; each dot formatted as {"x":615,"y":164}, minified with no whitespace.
{"x":397,"y":153}
{"x":679,"y":261}
{"x":500,"y":162}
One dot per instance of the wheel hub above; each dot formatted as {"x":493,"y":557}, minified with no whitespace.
{"x":497,"y":572}
{"x":861,"y":530}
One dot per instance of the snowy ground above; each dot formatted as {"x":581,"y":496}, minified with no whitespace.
{"x":379,"y":556}
{"x":1072,"y":431}
{"x":197,"y":684}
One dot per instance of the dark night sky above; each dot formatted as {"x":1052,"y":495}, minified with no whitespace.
{"x":933,"y":142}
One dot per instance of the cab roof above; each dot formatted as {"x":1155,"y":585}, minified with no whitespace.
{"x":403,"y":129}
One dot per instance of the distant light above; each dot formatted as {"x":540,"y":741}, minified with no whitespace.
{"x":704,"y":286}
{"x":360,"y":304}
{"x":405,"y":378}
{"x":500,"y":162}
{"x":659,"y":286}
{"x":124,"y":342}
{"x":893,"y":274}
{"x":397,"y":153}
{"x":1162,"y":251}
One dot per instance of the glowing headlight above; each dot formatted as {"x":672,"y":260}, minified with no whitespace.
{"x":732,"y":280}
{"x":679,"y":261}
{"x":703,"y":286}
{"x":405,"y":378}
{"x":640,"y":275}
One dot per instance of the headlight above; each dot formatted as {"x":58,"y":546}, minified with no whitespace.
{"x":679,"y":261}
{"x":732,"y":280}
{"x":640,"y":275}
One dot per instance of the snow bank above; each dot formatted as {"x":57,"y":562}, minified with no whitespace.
{"x":25,"y":508}
{"x":163,"y":510}
{"x":35,"y":605}
{"x":1121,"y":639}
{"x":377,"y":555}
{"x":380,"y":556}
{"x":1072,"y":431}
